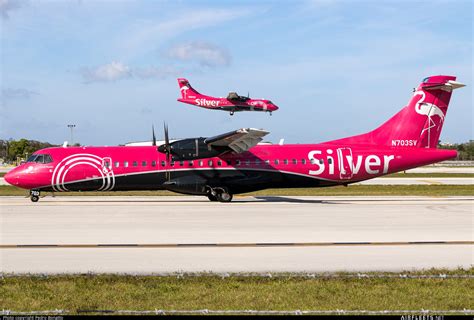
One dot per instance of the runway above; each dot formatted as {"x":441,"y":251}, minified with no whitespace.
{"x":264,"y":234}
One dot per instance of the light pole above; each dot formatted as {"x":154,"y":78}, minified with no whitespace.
{"x":71,"y":126}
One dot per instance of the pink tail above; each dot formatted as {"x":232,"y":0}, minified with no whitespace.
{"x":187,"y":92}
{"x":418,"y":124}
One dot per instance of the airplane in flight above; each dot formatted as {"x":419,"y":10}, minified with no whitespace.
{"x":232,"y":103}
{"x":231,"y":163}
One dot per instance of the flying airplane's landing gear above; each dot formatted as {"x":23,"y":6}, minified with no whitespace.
{"x":270,"y":113}
{"x":34,"y":195}
{"x":232,"y":113}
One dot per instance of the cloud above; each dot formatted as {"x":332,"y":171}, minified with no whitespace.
{"x":8,"y":5}
{"x":206,"y":54}
{"x":107,"y":72}
{"x":17,"y":93}
{"x":137,"y":38}
{"x":155,"y":72}
{"x":115,"y":71}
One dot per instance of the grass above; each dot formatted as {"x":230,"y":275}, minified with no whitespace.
{"x":430,"y":175}
{"x":123,"y":292}
{"x":352,"y":190}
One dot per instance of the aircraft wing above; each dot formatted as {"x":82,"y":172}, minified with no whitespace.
{"x":239,"y":140}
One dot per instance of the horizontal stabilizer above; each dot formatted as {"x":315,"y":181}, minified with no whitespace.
{"x":239,"y":140}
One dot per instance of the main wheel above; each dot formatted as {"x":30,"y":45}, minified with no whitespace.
{"x":211,"y":197}
{"x":34,"y":198}
{"x":224,"y":197}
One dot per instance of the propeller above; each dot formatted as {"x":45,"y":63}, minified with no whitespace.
{"x":154,"y":137}
{"x":167,"y":145}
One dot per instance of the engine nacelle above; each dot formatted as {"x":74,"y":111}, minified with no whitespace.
{"x":193,"y":148}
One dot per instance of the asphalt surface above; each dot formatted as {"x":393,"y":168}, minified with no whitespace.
{"x":263,"y":234}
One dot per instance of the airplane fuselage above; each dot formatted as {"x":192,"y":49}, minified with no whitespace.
{"x":230,"y":105}
{"x":263,"y":166}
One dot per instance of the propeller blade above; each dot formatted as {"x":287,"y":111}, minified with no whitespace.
{"x":154,"y":137}
{"x":167,"y":143}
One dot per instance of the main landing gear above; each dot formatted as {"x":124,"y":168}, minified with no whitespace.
{"x":219,"y":194}
{"x":34,"y":195}
{"x":232,"y":113}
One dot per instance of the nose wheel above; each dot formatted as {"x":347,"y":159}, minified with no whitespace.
{"x":34,"y":195}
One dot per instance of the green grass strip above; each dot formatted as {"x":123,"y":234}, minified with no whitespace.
{"x":352,"y":190}
{"x":120,"y":292}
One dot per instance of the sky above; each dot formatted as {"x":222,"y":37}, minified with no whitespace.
{"x":335,"y":68}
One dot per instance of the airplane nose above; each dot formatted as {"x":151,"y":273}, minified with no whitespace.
{"x":9,"y":177}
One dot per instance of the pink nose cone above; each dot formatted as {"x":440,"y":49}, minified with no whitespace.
{"x":273,"y":107}
{"x":9,"y":177}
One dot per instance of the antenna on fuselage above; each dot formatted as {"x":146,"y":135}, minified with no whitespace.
{"x":65,"y":144}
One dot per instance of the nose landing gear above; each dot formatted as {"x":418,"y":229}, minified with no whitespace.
{"x":34,"y":195}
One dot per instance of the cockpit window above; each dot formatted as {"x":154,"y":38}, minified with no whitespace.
{"x":269,"y":102}
{"x":40,"y":158}
{"x":425,"y":80}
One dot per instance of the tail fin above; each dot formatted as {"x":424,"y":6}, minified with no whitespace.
{"x":187,"y":92}
{"x":418,"y":124}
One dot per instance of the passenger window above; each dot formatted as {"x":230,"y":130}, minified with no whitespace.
{"x":229,"y":162}
{"x":257,"y":162}
{"x":125,"y":164}
{"x":107,"y":164}
{"x":153,"y":163}
{"x":285,"y":161}
{"x":135,"y":163}
{"x":276,"y":161}
{"x":237,"y":162}
{"x":330,"y":160}
{"x":181,"y":163}
{"x":143,"y":163}
{"x":191,"y":163}
{"x":295,"y":161}
{"x":303,"y":161}
{"x":172,"y":163}
{"x":116,"y":164}
{"x":321,"y":161}
{"x":219,"y":163}
{"x":247,"y":162}
{"x":163,"y":163}
{"x":209,"y":163}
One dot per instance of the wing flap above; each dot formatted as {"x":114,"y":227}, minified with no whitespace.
{"x":239,"y":140}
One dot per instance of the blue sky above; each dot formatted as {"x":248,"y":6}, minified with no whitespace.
{"x":334,"y":68}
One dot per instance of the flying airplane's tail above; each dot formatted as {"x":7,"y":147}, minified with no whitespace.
{"x":418,"y":124}
{"x":187,"y":92}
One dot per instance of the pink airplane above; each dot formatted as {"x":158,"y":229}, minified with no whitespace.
{"x":232,"y":163}
{"x":232,"y":103}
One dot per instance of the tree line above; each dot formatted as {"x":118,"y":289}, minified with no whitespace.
{"x":14,"y":150}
